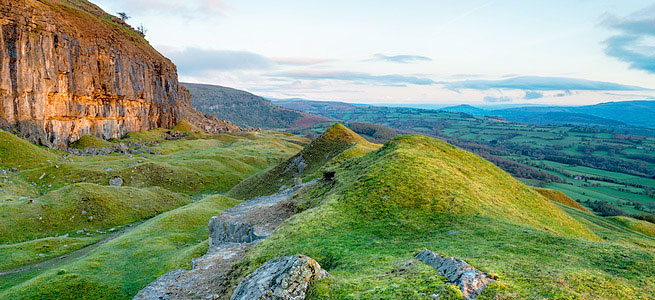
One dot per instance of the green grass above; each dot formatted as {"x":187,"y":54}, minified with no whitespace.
{"x":52,"y":195}
{"x":121,"y":267}
{"x":417,"y":193}
{"x":90,"y":141}
{"x":17,"y":255}
{"x":561,"y":198}
{"x":83,"y":205}
{"x":16,"y":152}
{"x":336,"y":143}
{"x":641,"y":226}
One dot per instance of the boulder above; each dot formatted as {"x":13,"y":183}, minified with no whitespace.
{"x":223,"y":231}
{"x":470,"y":280}
{"x":116,"y":181}
{"x":283,"y":278}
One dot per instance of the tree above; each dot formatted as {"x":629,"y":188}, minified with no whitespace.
{"x":123,"y":16}
{"x":142,"y":30}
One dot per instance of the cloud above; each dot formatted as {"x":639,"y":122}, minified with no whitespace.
{"x":500,"y":99}
{"x":628,"y":45}
{"x":531,"y":95}
{"x":535,"y":83}
{"x":356,"y":77}
{"x":195,"y":61}
{"x":184,"y":8}
{"x":403,"y":59}
{"x":625,"y":48}
{"x":300,"y":61}
{"x":564,"y":94}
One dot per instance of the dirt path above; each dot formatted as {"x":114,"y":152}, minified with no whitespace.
{"x":231,"y":234}
{"x":70,"y":256}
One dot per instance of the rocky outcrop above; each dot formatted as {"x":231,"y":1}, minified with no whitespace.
{"x":68,"y":69}
{"x":283,"y":278}
{"x":470,"y":280}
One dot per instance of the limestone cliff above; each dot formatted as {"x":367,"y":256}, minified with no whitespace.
{"x":68,"y":69}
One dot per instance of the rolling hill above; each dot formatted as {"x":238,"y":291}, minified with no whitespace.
{"x":246,"y":109}
{"x":635,"y":117}
{"x":419,"y":193}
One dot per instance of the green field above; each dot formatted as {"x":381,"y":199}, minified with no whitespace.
{"x":623,"y":165}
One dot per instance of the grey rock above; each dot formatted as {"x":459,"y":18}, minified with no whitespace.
{"x":83,"y":230}
{"x":283,"y":278}
{"x":3,"y":173}
{"x":222,"y":231}
{"x":232,"y":233}
{"x":470,"y":280}
{"x":298,"y":162}
{"x":116,"y":181}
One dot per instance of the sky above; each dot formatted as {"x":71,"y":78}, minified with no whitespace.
{"x":423,"y":52}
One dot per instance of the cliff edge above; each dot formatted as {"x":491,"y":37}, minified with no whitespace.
{"x":69,"y":69}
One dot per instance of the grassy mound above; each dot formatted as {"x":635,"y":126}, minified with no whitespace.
{"x":561,"y":198}
{"x":16,"y":152}
{"x":417,"y":193}
{"x":185,"y":126}
{"x":90,"y":141}
{"x":336,"y":142}
{"x":123,"y":266}
{"x":641,"y":226}
{"x":609,"y":230}
{"x":83,"y":205}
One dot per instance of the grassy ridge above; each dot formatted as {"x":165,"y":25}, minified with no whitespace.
{"x":336,"y":143}
{"x":80,"y":206}
{"x":417,"y":193}
{"x":561,"y":198}
{"x":641,"y":226}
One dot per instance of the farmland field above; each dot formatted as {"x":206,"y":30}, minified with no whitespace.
{"x":588,"y":164}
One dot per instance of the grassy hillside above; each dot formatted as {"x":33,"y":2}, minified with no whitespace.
{"x":121,"y":267}
{"x":561,"y":198}
{"x":18,"y":153}
{"x":417,"y":193}
{"x":336,"y":143}
{"x":53,"y":204}
{"x":641,"y":226}
{"x":82,"y":205}
{"x":246,"y":109}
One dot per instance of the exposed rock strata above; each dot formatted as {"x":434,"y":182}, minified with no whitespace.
{"x":283,"y":278}
{"x":470,"y":280}
{"x":68,"y":69}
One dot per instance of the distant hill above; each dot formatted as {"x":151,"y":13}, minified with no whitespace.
{"x":635,"y":117}
{"x":639,"y":113}
{"x":246,"y":109}
{"x":465,"y":108}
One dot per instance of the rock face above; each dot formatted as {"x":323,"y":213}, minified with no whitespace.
{"x":470,"y":280}
{"x":283,"y":278}
{"x":68,"y":69}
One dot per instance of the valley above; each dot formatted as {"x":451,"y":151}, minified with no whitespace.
{"x":588,"y":164}
{"x":118,"y":181}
